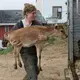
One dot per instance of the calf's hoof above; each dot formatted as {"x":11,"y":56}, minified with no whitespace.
{"x":20,"y":65}
{"x":39,"y":69}
{"x":15,"y":67}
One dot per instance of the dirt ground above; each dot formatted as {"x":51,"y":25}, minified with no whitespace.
{"x":54,"y":60}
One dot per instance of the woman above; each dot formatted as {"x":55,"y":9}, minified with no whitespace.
{"x":29,"y":55}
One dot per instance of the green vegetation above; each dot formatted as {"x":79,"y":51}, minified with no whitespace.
{"x":51,"y":40}
{"x":6,"y":51}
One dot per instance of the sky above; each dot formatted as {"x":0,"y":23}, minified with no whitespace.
{"x":14,"y":4}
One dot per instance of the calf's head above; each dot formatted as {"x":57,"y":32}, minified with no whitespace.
{"x":60,"y":31}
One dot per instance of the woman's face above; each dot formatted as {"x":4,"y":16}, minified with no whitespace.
{"x":31,"y":15}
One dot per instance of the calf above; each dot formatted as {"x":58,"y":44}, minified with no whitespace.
{"x":29,"y":36}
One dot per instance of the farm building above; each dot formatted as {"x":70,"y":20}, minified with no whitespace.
{"x":8,"y":18}
{"x":54,"y":11}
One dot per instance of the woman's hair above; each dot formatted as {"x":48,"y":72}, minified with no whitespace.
{"x":28,"y":8}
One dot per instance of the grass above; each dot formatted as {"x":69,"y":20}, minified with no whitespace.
{"x":6,"y":51}
{"x":51,"y":40}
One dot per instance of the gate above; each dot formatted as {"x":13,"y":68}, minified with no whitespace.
{"x":74,"y":37}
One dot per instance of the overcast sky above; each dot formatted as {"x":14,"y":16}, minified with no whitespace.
{"x":14,"y":4}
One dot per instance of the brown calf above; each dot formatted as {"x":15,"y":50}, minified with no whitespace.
{"x":29,"y":36}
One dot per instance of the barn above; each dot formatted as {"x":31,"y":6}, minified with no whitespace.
{"x":8,"y":18}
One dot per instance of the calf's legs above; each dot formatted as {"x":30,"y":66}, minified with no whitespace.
{"x":17,"y":57}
